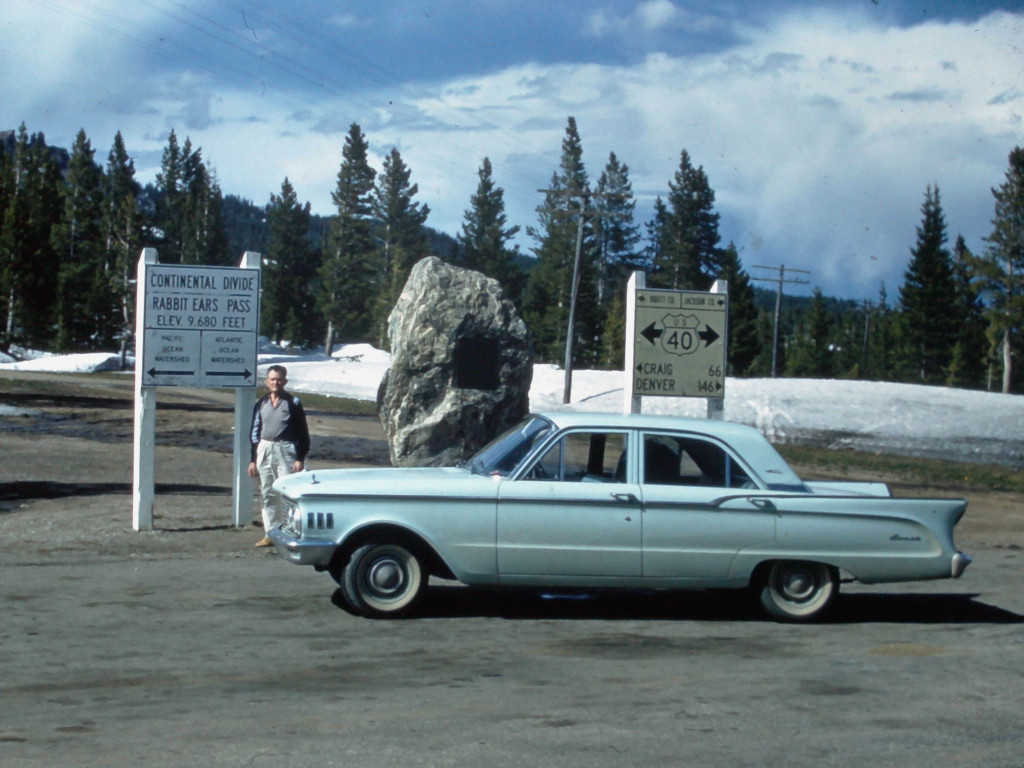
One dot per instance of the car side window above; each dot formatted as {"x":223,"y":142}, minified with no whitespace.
{"x":676,"y":460}
{"x":592,"y":457}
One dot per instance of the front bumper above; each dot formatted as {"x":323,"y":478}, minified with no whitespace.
{"x":302,"y":551}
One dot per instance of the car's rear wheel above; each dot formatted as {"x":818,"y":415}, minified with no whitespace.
{"x":383,"y":580}
{"x":795,"y":590}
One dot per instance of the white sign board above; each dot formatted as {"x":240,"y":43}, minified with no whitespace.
{"x":679,"y":343}
{"x":200,"y":326}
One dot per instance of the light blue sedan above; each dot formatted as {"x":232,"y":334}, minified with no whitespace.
{"x":592,"y":500}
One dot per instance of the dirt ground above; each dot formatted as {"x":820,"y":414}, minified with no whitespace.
{"x":71,"y":487}
{"x":186,"y":645}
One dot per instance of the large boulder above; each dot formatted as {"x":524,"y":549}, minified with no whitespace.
{"x":461,"y":366}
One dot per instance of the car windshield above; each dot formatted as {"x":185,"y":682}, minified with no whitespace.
{"x":503,"y":454}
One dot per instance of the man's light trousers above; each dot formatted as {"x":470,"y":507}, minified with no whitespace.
{"x":274,"y":459}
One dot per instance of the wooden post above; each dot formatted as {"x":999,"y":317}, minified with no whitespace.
{"x":145,"y":411}
{"x":245,"y":400}
{"x":631,"y":403}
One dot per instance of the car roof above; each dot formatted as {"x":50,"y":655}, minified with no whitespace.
{"x":748,"y":442}
{"x":723,"y":429}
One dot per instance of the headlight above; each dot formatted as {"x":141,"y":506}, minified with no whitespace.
{"x":293,"y":521}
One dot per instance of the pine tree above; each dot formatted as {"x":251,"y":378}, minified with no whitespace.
{"x":744,"y":339}
{"x":967,"y":360}
{"x":77,"y":241}
{"x":657,"y":235}
{"x":564,"y":222}
{"x":195,"y":182}
{"x":613,"y":342}
{"x":6,"y":178}
{"x":616,"y":234}
{"x":812,"y":352}
{"x":288,"y":269}
{"x":27,"y":260}
{"x":926,"y":298}
{"x":882,"y":342}
{"x":549,"y":284}
{"x":687,"y":252}
{"x":214,"y":228}
{"x":123,"y":229}
{"x":483,"y":242}
{"x":349,"y":272}
{"x":11,"y":170}
{"x":852,"y":329}
{"x":762,"y":363}
{"x":203,"y":235}
{"x":1001,"y":269}
{"x":170,"y":201}
{"x":190,"y":208}
{"x":399,"y":231}
{"x":618,"y":239}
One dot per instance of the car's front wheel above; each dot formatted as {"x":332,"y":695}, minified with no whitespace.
{"x":383,"y":580}
{"x":794,"y":590}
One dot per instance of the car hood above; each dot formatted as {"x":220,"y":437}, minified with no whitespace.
{"x":388,"y":481}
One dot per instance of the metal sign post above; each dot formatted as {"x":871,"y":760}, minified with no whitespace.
{"x":676,"y":344}
{"x":198,"y":327}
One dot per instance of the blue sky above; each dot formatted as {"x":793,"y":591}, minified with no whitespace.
{"x":819,"y":124}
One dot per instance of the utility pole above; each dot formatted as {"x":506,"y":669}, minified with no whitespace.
{"x":571,"y":326}
{"x":779,"y":281}
{"x":868,"y":309}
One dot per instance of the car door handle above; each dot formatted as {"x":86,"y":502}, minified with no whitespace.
{"x":760,"y":503}
{"x":629,"y":498}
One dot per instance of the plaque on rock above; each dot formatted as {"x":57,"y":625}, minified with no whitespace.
{"x":461,"y":366}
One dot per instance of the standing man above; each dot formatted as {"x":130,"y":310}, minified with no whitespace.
{"x":279,"y":439}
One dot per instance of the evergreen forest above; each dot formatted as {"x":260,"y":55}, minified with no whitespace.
{"x":330,"y":280}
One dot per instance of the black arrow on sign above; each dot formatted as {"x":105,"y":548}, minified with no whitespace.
{"x":244,"y":374}
{"x":708,"y":336}
{"x":651,"y":333}
{"x":153,"y":372}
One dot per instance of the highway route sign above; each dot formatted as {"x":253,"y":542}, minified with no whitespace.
{"x":201,"y":326}
{"x":680,"y":343}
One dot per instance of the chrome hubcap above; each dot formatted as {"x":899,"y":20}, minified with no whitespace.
{"x":797,"y":585}
{"x":386,"y":577}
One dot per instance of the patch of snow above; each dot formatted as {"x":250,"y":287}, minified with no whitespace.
{"x":86,"y":362}
{"x":909,"y":419}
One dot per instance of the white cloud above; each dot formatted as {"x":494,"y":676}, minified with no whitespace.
{"x":649,"y":18}
{"x":819,"y":133}
{"x":598,"y":23}
{"x":819,"y":136}
{"x":344,"y":21}
{"x":656,"y":14}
